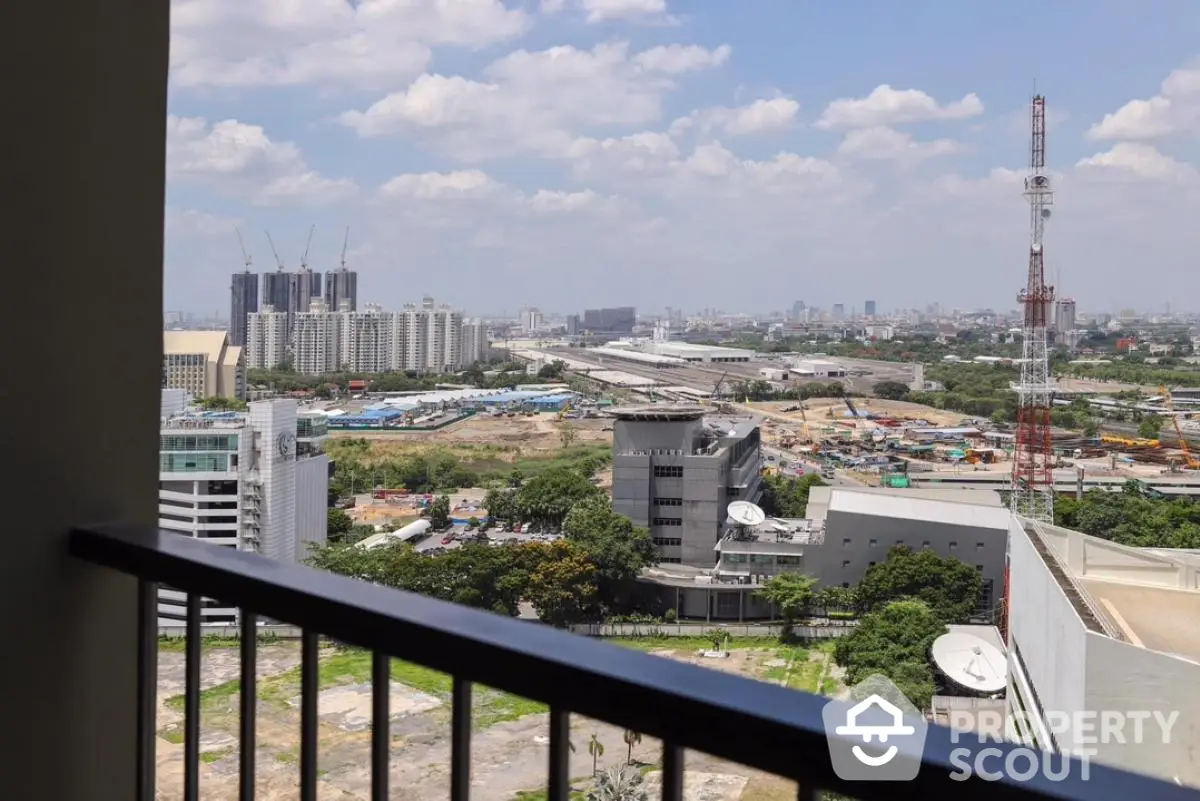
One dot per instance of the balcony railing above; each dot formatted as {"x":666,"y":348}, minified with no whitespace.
{"x":759,"y":725}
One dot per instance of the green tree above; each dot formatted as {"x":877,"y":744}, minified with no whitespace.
{"x":337,"y":525}
{"x":1150,"y":426}
{"x":790,"y":593}
{"x":500,"y":504}
{"x":549,"y":496}
{"x":567,"y":435}
{"x":787,"y":496}
{"x":631,"y":739}
{"x":893,"y":641}
{"x":617,"y":548}
{"x":562,"y":586}
{"x":890,"y":390}
{"x":595,"y":750}
{"x":439,"y":512}
{"x":220,"y":404}
{"x":947,"y":586}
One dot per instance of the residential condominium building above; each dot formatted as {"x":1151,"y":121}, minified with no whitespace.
{"x":204,"y":364}
{"x":255,"y":481}
{"x":475,"y":343}
{"x":427,"y":339}
{"x":267,"y":343}
{"x":365,"y":339}
{"x":315,"y":340}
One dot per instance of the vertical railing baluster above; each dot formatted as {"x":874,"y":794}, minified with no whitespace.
{"x":147,"y":688}
{"x":381,"y":724}
{"x":559,"y":780}
{"x":308,"y":715}
{"x":460,"y":741}
{"x":191,"y":702}
{"x":672,"y":774}
{"x":249,"y":706}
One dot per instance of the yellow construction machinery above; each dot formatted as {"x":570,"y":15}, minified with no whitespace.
{"x":1190,"y":461}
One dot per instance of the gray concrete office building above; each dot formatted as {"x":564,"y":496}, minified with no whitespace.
{"x":243,"y":300}
{"x":675,"y":472}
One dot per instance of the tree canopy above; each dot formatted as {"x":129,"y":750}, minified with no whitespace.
{"x":791,"y":594}
{"x":787,"y":496}
{"x":949,"y":588}
{"x":893,"y":641}
{"x":584,"y":576}
{"x":1131,"y":517}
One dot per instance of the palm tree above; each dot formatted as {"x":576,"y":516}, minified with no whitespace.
{"x":596,"y":749}
{"x":618,"y":783}
{"x":631,"y":738}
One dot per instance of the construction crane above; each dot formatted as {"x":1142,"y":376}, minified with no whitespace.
{"x":274,"y":252}
{"x":1192,"y":462}
{"x":345,"y":245}
{"x":242,"y":244}
{"x":307,"y":245}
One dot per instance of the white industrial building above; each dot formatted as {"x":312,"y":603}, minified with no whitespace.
{"x":255,"y":481}
{"x":1104,"y":628}
{"x":690,"y":352}
{"x":818,"y":368}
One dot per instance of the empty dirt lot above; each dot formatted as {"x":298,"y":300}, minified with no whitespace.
{"x":539,"y":433}
{"x":509,"y":747}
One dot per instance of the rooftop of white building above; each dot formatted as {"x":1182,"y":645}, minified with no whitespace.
{"x":1149,"y":597}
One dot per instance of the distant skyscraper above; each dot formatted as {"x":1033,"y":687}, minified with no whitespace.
{"x":839,"y":311}
{"x":869,"y":308}
{"x":572,"y":324}
{"x":798,"y":310}
{"x":276,"y":290}
{"x":304,"y":286}
{"x":243,"y":301}
{"x":341,"y":285}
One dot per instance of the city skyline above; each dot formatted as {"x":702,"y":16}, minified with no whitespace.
{"x":718,"y":155}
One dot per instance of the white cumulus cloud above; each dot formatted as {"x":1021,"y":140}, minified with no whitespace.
{"x":239,"y":159}
{"x":886,"y":106}
{"x":1175,"y":109}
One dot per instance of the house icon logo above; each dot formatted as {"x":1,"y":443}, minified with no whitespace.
{"x":876,"y":734}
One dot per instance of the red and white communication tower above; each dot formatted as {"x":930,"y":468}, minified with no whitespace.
{"x":1032,"y":477}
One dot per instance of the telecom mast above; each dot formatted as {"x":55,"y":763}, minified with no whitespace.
{"x":1033,"y":476}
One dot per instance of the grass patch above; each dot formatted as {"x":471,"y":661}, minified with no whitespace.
{"x":693,"y":644}
{"x":213,"y":699}
{"x":173,"y":734}
{"x":215,"y":755}
{"x":830,"y":686}
{"x":353,"y":666}
{"x":543,"y":795}
{"x":171,"y":644}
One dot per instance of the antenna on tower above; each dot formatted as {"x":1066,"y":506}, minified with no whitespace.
{"x":275,"y":252}
{"x":307,"y":245}
{"x":242,"y":245}
{"x":345,"y":244}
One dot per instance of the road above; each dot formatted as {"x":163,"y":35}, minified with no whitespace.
{"x":840,"y":477}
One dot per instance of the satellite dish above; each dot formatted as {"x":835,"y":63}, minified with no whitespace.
{"x":745,"y":513}
{"x":971,"y":662}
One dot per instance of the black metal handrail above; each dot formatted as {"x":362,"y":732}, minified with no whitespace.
{"x":686,"y":707}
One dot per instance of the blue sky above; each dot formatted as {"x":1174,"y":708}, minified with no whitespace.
{"x":568,"y":153}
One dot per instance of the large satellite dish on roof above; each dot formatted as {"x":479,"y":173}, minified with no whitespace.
{"x":971,"y":662}
{"x":745,"y":513}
